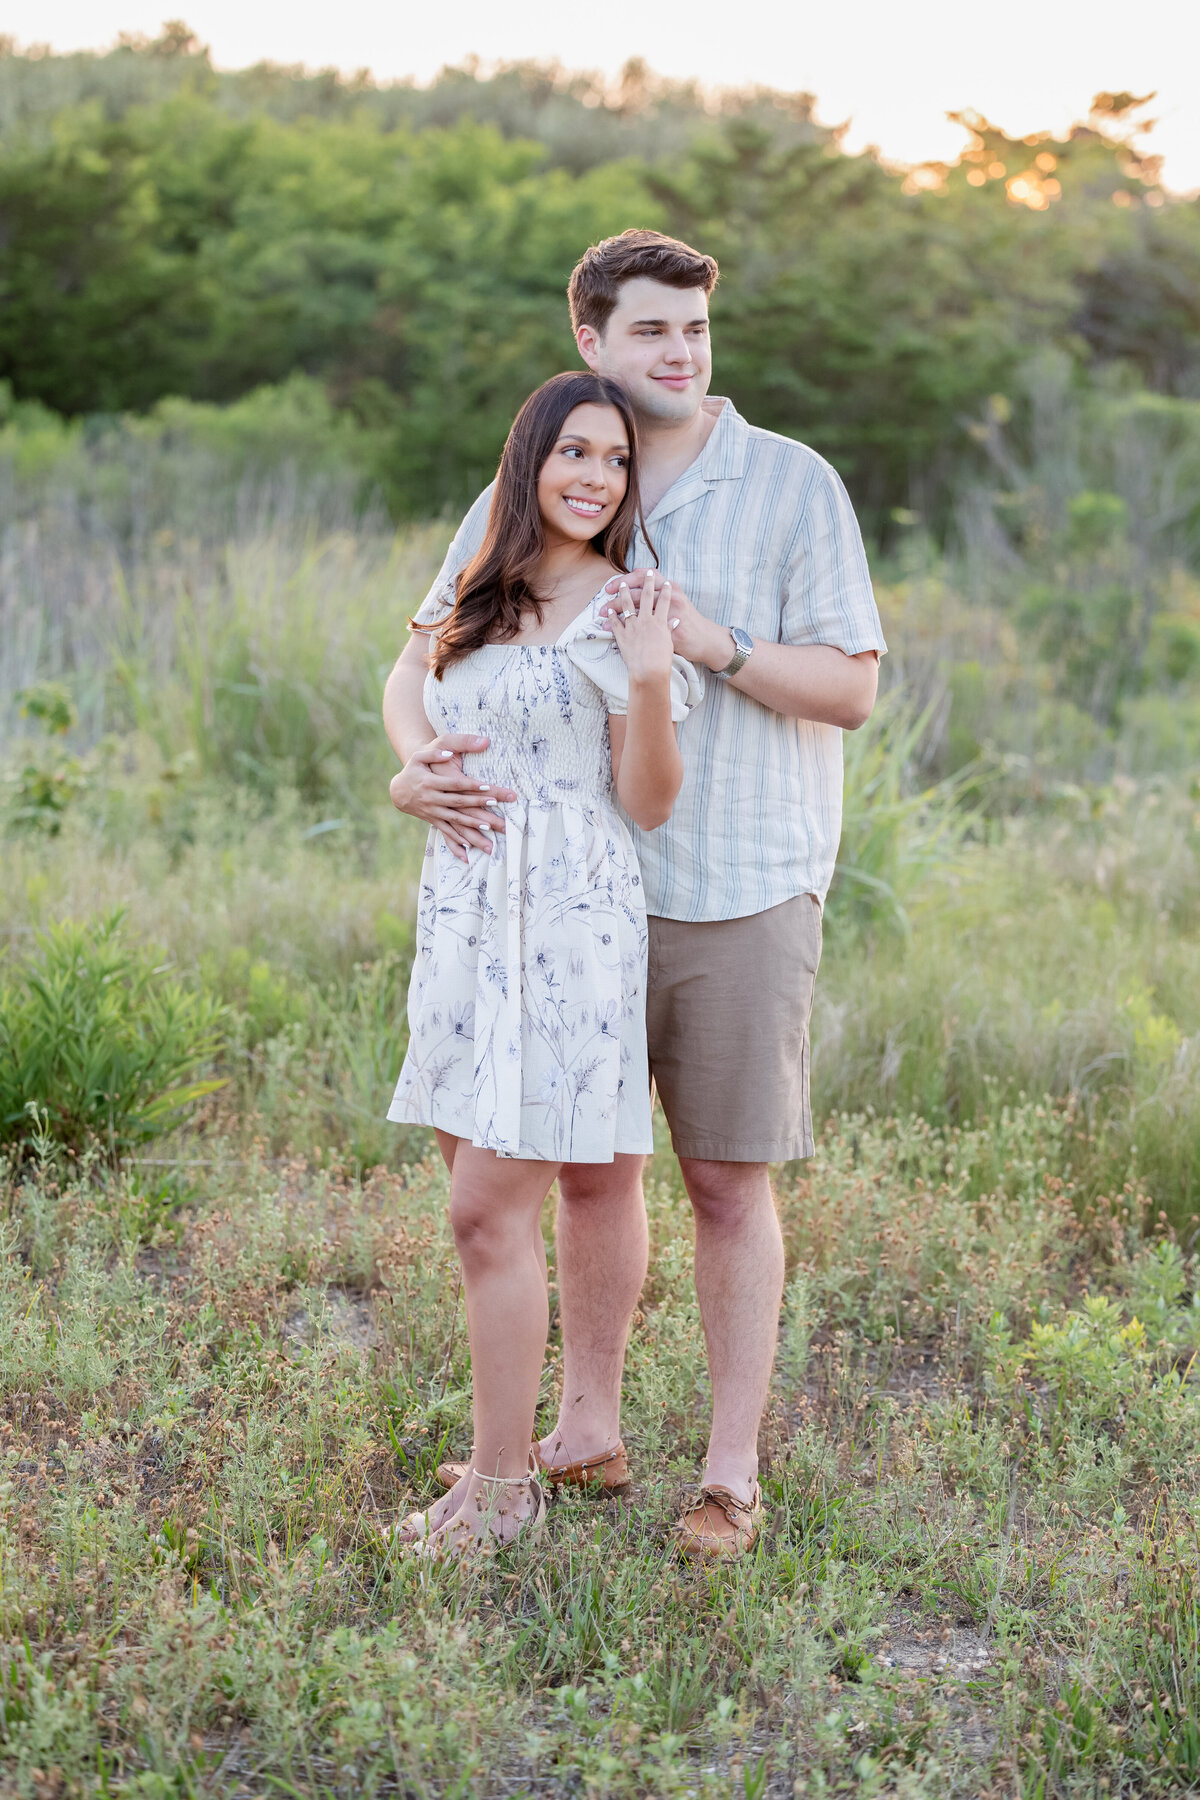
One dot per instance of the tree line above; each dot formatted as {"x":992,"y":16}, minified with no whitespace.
{"x":169,"y":230}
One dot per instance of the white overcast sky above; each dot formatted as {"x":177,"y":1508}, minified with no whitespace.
{"x":892,"y":69}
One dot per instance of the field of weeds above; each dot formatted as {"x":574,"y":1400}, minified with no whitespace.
{"x":980,"y":1471}
{"x":231,"y":1338}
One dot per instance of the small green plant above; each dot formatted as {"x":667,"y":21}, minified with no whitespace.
{"x":101,"y":1040}
{"x":46,"y":786}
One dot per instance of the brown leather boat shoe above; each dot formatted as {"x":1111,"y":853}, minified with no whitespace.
{"x":609,"y":1470}
{"x":719,"y":1525}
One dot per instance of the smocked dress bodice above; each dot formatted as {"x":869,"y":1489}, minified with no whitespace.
{"x":546,"y":723}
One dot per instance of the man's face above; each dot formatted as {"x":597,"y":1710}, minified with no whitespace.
{"x":656,"y":345}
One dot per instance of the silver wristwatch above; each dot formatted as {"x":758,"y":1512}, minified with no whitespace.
{"x":741,"y":655}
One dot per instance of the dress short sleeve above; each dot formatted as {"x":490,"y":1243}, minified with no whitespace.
{"x":439,"y":601}
{"x":436,"y":607}
{"x":595,"y":655}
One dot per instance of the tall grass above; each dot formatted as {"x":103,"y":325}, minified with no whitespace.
{"x":1004,"y":920}
{"x":261,"y":661}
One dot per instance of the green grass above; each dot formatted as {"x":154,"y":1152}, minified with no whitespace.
{"x":976,"y":1575}
{"x":225,"y":1365}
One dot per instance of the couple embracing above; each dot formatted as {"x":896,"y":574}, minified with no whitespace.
{"x":620,"y":713}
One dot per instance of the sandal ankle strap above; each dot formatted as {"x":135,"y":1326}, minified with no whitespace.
{"x":505,"y":1480}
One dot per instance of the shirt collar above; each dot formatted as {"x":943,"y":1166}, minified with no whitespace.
{"x":723,"y":458}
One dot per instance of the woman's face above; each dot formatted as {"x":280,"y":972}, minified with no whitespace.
{"x":584,"y":478}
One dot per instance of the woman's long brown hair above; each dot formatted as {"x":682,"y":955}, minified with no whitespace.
{"x":499,"y":584}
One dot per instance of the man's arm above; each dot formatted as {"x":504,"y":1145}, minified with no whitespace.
{"x":801,"y":681}
{"x":432,"y":785}
{"x":825,"y":603}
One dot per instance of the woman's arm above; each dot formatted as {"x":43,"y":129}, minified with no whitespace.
{"x":647,"y":766}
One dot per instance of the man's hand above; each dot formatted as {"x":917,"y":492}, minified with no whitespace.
{"x":433,"y":787}
{"x":698,"y":638}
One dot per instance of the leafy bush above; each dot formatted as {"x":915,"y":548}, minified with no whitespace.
{"x":45,"y":786}
{"x":100,"y":1041}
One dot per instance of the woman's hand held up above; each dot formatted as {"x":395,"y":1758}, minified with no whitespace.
{"x":643,"y":627}
{"x":694,"y":634}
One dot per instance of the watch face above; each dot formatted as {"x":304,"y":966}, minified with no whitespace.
{"x":742,"y":639}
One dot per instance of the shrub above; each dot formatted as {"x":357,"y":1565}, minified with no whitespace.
{"x":99,"y":1038}
{"x":46,"y":785}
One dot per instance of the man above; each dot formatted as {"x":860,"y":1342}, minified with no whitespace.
{"x":758,"y":533}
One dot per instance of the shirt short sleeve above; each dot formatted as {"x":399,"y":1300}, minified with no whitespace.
{"x":595,"y":655}
{"x":828,"y":597}
{"x":465,"y":542}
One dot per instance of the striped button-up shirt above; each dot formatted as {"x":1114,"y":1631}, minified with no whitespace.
{"x":757,"y":532}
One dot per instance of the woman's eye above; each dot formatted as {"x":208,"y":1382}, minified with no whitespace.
{"x":572,"y":450}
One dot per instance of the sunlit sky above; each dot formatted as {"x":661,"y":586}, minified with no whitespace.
{"x":893,"y":70}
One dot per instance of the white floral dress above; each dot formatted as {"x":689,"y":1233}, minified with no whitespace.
{"x":527,"y":1030}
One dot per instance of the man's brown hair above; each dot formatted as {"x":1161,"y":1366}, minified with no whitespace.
{"x":601,"y":272}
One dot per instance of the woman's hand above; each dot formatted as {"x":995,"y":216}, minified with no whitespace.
{"x":694,"y":635}
{"x":643,"y":627}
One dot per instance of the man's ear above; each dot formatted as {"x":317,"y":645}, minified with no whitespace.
{"x":588,"y":340}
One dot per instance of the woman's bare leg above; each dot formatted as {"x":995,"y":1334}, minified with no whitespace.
{"x":451,"y":1501}
{"x":495,"y":1209}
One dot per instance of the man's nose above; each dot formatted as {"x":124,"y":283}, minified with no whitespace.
{"x":677,"y":350}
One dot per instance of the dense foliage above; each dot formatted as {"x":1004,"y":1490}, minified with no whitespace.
{"x":168,"y":230}
{"x":99,"y":1045}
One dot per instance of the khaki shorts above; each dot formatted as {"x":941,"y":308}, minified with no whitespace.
{"x":727,"y":1011}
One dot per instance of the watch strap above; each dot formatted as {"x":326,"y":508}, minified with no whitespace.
{"x":743,"y":645}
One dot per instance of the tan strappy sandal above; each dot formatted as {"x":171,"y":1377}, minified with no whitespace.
{"x":457,"y":1540}
{"x":720,"y":1525}
{"x":415,"y":1526}
{"x":608,"y":1470}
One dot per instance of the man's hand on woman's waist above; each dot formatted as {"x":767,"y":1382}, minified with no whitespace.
{"x":432,"y":786}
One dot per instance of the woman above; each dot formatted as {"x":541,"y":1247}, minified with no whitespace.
{"x":527,"y":1044}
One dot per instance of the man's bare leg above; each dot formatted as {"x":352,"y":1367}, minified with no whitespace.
{"x":603,"y":1245}
{"x":739,"y":1284}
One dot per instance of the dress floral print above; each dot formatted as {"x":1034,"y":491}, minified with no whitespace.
{"x":526,"y":1009}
